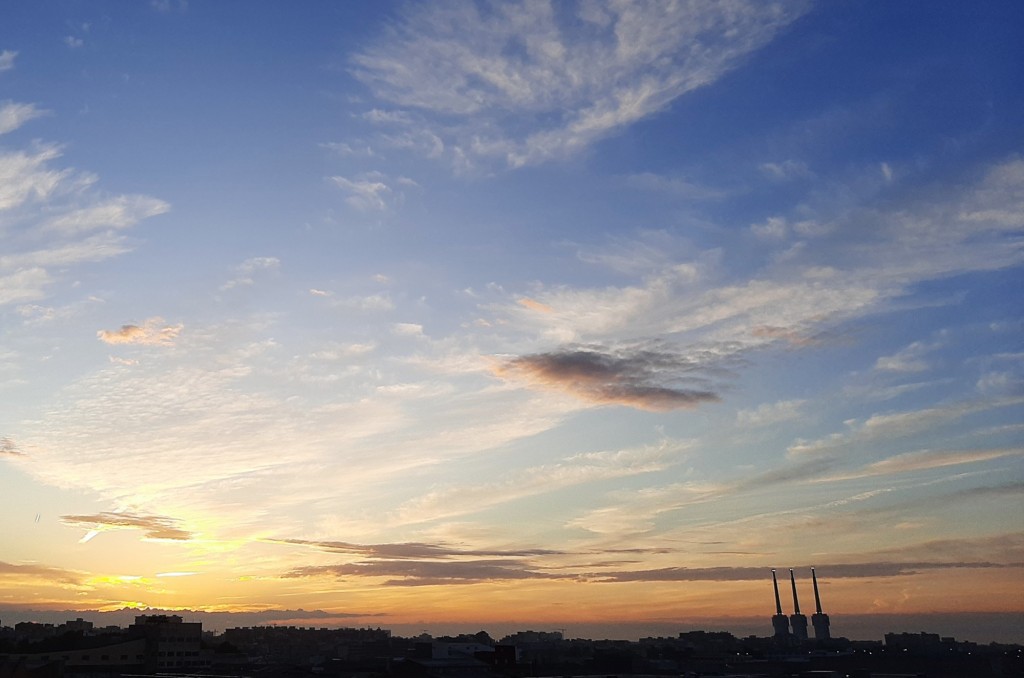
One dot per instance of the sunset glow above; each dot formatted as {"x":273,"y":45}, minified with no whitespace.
{"x":473,"y":314}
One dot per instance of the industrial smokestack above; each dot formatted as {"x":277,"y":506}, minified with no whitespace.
{"x":779,"y":621}
{"x":796,"y":602}
{"x":819,"y":620}
{"x":817,"y":598}
{"x":797,"y":620}
{"x":778,"y":602}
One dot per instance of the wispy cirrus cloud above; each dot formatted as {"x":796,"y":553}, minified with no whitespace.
{"x":892,"y":426}
{"x":42,"y":572}
{"x":536,"y":480}
{"x":13,"y":115}
{"x":246,"y":272}
{"x":925,"y":460}
{"x":909,"y":359}
{"x":374,"y":191}
{"x":786,"y":170}
{"x":706,"y":316}
{"x":153,"y":332}
{"x":833,"y":571}
{"x":55,"y":219}
{"x":673,"y":186}
{"x":116,"y":213}
{"x":518,"y":83}
{"x":25,"y":175}
{"x":152,"y":526}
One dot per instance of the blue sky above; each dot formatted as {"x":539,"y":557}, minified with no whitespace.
{"x":447,"y":310}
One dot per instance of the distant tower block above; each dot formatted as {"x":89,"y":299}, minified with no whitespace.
{"x":779,"y":621}
{"x":819,"y":620}
{"x":797,"y":621}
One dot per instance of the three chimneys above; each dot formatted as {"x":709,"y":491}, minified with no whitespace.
{"x":781,"y":623}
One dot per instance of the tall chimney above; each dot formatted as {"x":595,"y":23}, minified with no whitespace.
{"x":779,"y":621}
{"x":817,"y":598}
{"x":819,"y":620}
{"x":796,"y":602}
{"x":797,"y":620}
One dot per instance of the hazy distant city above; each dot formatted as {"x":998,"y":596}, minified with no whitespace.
{"x":174,"y":644}
{"x":164,"y":644}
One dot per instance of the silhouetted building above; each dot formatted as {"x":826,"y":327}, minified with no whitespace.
{"x":171,"y":643}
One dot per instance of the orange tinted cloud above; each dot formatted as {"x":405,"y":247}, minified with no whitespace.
{"x":152,"y":333}
{"x":535,"y":305}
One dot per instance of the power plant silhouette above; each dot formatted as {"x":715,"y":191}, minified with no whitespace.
{"x":796,"y":621}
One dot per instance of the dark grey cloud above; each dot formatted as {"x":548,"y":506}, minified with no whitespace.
{"x":648,"y":379}
{"x":411,"y":550}
{"x":836,"y":571}
{"x":430,"y":572}
{"x":155,"y":527}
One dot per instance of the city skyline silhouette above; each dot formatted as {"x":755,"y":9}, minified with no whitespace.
{"x":514,"y":315}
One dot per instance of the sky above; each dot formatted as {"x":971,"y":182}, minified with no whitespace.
{"x":547,"y":314}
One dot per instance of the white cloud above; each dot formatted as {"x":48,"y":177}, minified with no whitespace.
{"x":768,"y":414}
{"x":24,"y":285}
{"x":94,"y":248}
{"x":379,"y":117}
{"x":632,"y":513}
{"x":862,"y":262}
{"x":248,"y":269}
{"x":53,"y":219}
{"x":73,"y":42}
{"x":166,"y":6}
{"x":774,"y":227}
{"x":893,"y":426}
{"x":7,"y":60}
{"x":370,"y":302}
{"x":345,"y":150}
{"x":13,"y":115}
{"x":524,"y":87}
{"x":909,"y":359}
{"x":532,"y":481}
{"x":1001,"y":383}
{"x":366,"y":195}
{"x":258,"y":264}
{"x":785,"y":170}
{"x":407,"y":329}
{"x":24,"y":176}
{"x":117,"y":213}
{"x":672,"y":185}
{"x":340,"y":351}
